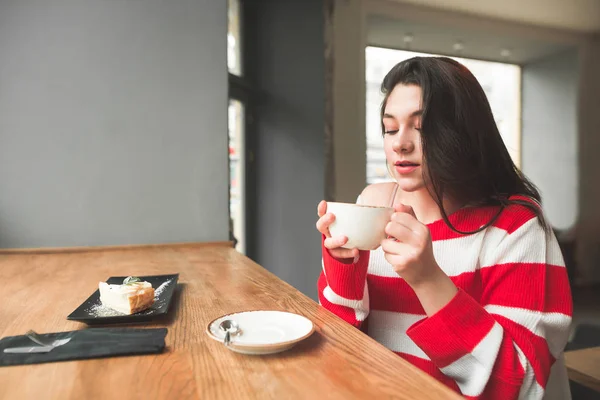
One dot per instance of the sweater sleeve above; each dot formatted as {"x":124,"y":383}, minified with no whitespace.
{"x":502,"y":345}
{"x":343,"y":287}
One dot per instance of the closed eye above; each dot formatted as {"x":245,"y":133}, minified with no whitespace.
{"x":391,"y":132}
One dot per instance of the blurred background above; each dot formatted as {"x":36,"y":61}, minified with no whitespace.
{"x":128,"y":122}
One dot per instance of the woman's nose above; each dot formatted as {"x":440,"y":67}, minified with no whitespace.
{"x":402,"y":144}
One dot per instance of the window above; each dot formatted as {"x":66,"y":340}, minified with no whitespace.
{"x":234,"y":48}
{"x":501,"y":83}
{"x":237,"y":112}
{"x":237,"y":171}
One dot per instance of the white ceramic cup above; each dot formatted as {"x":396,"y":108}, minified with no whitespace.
{"x":364,"y":226}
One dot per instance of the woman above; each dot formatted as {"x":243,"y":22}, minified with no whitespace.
{"x":470,"y":285}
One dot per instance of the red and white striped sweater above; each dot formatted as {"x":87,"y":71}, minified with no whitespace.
{"x":500,"y":336}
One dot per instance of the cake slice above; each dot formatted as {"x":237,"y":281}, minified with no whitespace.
{"x":129,"y":298}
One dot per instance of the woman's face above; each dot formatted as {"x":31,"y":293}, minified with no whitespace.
{"x":402,"y":137}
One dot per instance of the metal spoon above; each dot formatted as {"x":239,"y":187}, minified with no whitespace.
{"x":45,"y":345}
{"x":230,"y":328}
{"x":37,"y":338}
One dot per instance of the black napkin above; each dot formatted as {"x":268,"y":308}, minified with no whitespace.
{"x":87,"y":343}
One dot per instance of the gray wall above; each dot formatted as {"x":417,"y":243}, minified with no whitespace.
{"x":289,"y":74}
{"x":550,"y":134}
{"x":588,"y":228}
{"x":113,"y":125}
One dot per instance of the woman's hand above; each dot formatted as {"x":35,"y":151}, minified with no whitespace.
{"x":410,"y":251}
{"x":334,"y":244}
{"x":408,"y":247}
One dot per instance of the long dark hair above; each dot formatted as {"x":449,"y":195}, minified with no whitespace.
{"x":465,"y":156}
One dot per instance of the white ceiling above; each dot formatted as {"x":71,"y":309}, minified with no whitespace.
{"x":529,"y":29}
{"x":439,"y":39}
{"x":574,"y":15}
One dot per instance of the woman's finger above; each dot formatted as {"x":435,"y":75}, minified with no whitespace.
{"x":355,"y":254}
{"x":407,"y":220}
{"x":401,"y":233}
{"x":336,"y":242}
{"x":322,"y":208}
{"x":395,"y":259}
{"x":323,"y":224}
{"x":403,"y":208}
{"x":348,"y":254}
{"x":392,"y":247}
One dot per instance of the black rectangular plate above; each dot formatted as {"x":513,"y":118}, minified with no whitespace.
{"x":92,"y":312}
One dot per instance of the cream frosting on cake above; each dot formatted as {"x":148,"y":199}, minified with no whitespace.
{"x":129,"y":298}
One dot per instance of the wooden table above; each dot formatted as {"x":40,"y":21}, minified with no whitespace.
{"x":337,"y":361}
{"x":583,"y":366}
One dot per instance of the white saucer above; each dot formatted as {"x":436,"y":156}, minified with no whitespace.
{"x":263,"y":332}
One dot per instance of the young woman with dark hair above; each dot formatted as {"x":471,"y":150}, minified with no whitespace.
{"x":470,"y":285}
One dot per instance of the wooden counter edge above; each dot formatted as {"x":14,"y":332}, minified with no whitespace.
{"x":583,"y":379}
{"x":83,"y":249}
{"x":577,"y":375}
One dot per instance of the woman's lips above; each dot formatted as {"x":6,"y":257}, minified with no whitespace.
{"x":406,"y":168}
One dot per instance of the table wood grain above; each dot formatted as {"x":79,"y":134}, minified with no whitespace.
{"x":336,"y":362}
{"x":583,"y":366}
